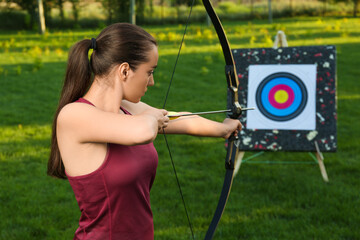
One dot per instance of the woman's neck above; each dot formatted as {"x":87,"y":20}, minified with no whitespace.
{"x":105,"y":96}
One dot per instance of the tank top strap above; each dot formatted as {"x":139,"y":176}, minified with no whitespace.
{"x":83,"y":100}
{"x":125,"y":111}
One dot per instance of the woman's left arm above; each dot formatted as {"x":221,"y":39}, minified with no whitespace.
{"x":191,"y":125}
{"x":199,"y":126}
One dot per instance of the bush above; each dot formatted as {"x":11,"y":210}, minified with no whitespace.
{"x":11,"y":20}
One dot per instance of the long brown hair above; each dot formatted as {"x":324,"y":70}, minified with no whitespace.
{"x":116,"y":44}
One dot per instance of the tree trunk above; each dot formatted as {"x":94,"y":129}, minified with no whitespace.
{"x":132,"y":12}
{"x":42,"y":27}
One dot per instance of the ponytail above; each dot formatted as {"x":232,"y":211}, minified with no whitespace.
{"x":77,"y":82}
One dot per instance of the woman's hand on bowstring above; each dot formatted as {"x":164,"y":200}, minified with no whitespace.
{"x":159,"y":116}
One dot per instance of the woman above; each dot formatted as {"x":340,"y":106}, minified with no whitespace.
{"x":102,"y":134}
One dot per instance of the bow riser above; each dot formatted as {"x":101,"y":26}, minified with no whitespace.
{"x":233,"y":83}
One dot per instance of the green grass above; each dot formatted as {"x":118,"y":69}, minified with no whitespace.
{"x":267,"y":201}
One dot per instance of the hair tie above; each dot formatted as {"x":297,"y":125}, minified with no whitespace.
{"x":93,"y":44}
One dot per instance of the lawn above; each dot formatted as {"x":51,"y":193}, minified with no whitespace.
{"x":268,"y":201}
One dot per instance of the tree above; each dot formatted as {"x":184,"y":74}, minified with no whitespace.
{"x":291,"y":8}
{"x":60,"y":4}
{"x":75,"y":10}
{"x":140,"y":10}
{"x":151,"y":9}
{"x":30,"y":6}
{"x":356,"y":5}
{"x":48,"y":5}
{"x":109,"y":6}
{"x":270,"y":11}
{"x":116,"y":10}
{"x":324,"y":7}
{"x":122,"y":13}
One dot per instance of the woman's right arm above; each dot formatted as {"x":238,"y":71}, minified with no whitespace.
{"x":86,"y":123}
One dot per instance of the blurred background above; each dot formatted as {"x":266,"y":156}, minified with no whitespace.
{"x":268,"y":200}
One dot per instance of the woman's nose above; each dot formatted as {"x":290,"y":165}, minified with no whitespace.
{"x":151,"y":81}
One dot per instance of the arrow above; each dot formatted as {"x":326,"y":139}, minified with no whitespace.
{"x":175,"y":115}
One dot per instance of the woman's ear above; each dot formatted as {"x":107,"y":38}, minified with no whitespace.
{"x":123,"y":71}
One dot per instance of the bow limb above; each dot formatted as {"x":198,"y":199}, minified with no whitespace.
{"x":231,"y":156}
{"x":233,"y":104}
{"x":230,"y":70}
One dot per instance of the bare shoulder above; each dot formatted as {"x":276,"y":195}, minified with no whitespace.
{"x":135,"y":108}
{"x":72,"y":112}
{"x":85,"y":123}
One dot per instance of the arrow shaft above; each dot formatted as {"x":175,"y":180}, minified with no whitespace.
{"x":174,"y":116}
{"x":198,"y":113}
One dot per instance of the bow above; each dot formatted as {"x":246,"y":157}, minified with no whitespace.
{"x":233,"y":105}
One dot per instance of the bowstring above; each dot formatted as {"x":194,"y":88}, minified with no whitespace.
{"x":166,"y":97}
{"x":178,"y":55}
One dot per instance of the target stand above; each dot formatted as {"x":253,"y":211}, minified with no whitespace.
{"x":293,"y":90}
{"x":318,"y":159}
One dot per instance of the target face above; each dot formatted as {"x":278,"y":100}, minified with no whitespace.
{"x":283,"y":95}
{"x":293,"y":91}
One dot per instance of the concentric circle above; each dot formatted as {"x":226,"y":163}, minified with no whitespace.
{"x":281,"y":96}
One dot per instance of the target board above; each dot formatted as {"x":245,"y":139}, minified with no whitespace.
{"x":293,"y":90}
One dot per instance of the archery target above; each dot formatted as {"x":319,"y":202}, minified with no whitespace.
{"x":283,"y":95}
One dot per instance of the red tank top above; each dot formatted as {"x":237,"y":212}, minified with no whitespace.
{"x":114,"y":200}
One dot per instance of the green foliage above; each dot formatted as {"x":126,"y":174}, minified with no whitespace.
{"x":14,"y":20}
{"x":266,"y":202}
{"x":82,"y":14}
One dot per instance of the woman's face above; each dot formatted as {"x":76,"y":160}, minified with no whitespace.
{"x":142,"y":77}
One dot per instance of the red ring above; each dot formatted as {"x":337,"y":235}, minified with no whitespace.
{"x":288,"y":102}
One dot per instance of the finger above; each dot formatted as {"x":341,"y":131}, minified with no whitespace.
{"x":164,"y":112}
